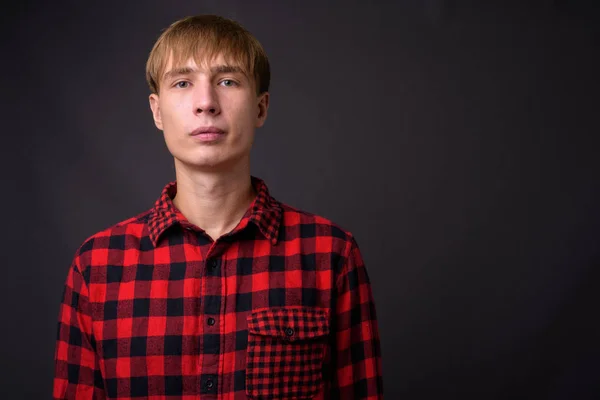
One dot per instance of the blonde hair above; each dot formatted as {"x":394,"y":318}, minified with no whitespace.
{"x":202,"y":38}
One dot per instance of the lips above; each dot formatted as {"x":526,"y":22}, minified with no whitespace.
{"x":207,"y":129}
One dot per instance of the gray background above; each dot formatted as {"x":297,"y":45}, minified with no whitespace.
{"x":456,"y":139}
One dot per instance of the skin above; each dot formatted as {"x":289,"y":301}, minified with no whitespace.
{"x":213,"y":178}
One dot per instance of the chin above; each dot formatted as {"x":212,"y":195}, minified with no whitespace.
{"x":206,"y":164}
{"x":209,"y":160}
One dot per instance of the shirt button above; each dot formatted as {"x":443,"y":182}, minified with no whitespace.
{"x":210,"y":384}
{"x":211,"y":321}
{"x":289,"y":331}
{"x":213,"y":263}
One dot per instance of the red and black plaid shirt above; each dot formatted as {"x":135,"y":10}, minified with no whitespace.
{"x":279,"y":308}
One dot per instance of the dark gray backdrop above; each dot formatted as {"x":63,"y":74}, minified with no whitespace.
{"x":456,"y":139}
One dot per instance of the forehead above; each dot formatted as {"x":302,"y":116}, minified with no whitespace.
{"x":200,"y":61}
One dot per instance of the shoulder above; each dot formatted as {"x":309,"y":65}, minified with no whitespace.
{"x":114,"y":237}
{"x":308,"y":224}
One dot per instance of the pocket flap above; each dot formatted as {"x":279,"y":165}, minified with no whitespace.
{"x":297,"y":323}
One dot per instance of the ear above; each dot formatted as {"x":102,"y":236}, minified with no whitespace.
{"x":263,"y":107}
{"x":155,"y":107}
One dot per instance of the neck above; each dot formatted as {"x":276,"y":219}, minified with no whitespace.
{"x":213,"y":201}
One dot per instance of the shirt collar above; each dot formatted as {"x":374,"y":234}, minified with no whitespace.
{"x":265,"y":212}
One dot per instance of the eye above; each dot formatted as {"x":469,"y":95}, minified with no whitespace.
{"x":182,"y":84}
{"x":228,"y":83}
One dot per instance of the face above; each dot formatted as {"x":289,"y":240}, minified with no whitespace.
{"x":208,"y":114}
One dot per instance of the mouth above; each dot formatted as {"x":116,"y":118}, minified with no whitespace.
{"x":208,"y":133}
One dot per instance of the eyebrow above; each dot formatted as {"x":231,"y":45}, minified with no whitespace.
{"x":217,"y":69}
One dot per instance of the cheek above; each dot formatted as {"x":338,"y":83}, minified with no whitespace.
{"x":173,"y":113}
{"x":246,"y":110}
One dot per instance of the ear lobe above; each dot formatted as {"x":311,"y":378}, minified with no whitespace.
{"x":155,"y":107}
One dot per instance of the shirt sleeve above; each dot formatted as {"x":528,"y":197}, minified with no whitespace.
{"x":356,"y":352}
{"x":77,"y":372}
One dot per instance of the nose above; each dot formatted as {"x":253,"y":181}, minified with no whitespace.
{"x":206,"y":100}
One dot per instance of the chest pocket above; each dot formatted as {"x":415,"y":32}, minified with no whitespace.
{"x":286,"y":347}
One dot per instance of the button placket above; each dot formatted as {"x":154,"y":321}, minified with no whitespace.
{"x":209,"y":384}
{"x":212,"y":309}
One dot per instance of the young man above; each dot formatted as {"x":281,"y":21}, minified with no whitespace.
{"x":218,"y":291}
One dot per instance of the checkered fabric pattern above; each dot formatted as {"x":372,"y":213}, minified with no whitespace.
{"x":279,"y":308}
{"x":285,"y":352}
